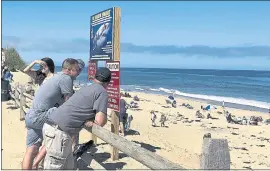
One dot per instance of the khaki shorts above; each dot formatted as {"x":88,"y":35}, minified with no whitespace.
{"x":58,"y":145}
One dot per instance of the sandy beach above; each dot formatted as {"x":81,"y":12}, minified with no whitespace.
{"x":179,"y":142}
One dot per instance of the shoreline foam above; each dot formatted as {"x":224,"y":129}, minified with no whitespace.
{"x":231,"y":102}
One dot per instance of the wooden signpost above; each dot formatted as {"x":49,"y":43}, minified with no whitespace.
{"x":105,"y":46}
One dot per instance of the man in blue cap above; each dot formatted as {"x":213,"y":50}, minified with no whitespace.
{"x":81,"y":64}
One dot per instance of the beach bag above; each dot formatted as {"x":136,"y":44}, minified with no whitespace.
{"x":82,"y":148}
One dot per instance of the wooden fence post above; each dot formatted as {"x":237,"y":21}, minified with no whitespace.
{"x":116,"y":56}
{"x":22,"y":103}
{"x":115,"y":130}
{"x":94,"y":138}
{"x":16,"y":95}
{"x":215,"y":155}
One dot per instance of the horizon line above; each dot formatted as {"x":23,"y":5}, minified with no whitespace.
{"x":187,"y":68}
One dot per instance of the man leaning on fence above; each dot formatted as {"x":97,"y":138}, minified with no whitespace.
{"x":49,"y":96}
{"x":87,"y":106}
{"x":42,"y":151}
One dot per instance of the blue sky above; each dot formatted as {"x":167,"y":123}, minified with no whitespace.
{"x":216,"y":35}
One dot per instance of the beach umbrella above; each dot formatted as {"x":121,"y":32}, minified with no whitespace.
{"x":171,"y":97}
{"x":209,"y":107}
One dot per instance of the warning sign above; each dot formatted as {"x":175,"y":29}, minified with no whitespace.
{"x":92,"y":69}
{"x":113,"y":88}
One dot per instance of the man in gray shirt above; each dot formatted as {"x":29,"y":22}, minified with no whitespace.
{"x":87,"y":105}
{"x":42,"y":151}
{"x":50,"y":95}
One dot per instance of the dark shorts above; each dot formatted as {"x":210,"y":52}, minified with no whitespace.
{"x":123,"y":117}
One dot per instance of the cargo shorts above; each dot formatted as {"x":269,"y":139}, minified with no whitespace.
{"x":58,"y":145}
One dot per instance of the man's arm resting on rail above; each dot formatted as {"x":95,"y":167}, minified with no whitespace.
{"x":100,"y":119}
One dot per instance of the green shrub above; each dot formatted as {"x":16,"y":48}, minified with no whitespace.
{"x":14,"y":60}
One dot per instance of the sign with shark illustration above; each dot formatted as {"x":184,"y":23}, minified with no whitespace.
{"x":101,"y":35}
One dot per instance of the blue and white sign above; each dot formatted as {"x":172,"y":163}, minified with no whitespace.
{"x":101,"y":35}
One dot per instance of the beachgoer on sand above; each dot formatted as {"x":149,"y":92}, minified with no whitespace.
{"x":174,"y":104}
{"x":153,"y":118}
{"x":88,"y":105}
{"x":128,"y":124}
{"x":49,"y":96}
{"x":202,"y":108}
{"x":45,"y":71}
{"x":133,"y":104}
{"x":6,"y":74}
{"x":199,"y":114}
{"x":230,"y":119}
{"x":162,"y":120}
{"x":136,"y":98}
{"x":244,"y":121}
{"x":127,"y":94}
{"x":254,"y":120}
{"x":5,"y":90}
{"x":123,"y":116}
{"x":4,"y":70}
{"x":42,"y":154}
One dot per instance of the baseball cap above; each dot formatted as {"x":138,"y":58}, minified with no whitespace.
{"x":103,"y":75}
{"x":81,"y":64}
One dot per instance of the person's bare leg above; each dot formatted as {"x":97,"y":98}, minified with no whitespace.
{"x":122,"y":129}
{"x":75,"y":141}
{"x":29,"y":157}
{"x":40,"y":156}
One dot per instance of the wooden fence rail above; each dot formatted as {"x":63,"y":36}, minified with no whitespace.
{"x":215,"y":152}
{"x":22,"y":99}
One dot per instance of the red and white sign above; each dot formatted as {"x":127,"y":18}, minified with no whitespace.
{"x":113,"y":88}
{"x":92,"y":69}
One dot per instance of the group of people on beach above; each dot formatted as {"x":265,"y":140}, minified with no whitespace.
{"x":58,"y":113}
{"x":162,"y":121}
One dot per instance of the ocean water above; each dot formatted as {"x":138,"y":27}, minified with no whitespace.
{"x":250,"y":89}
